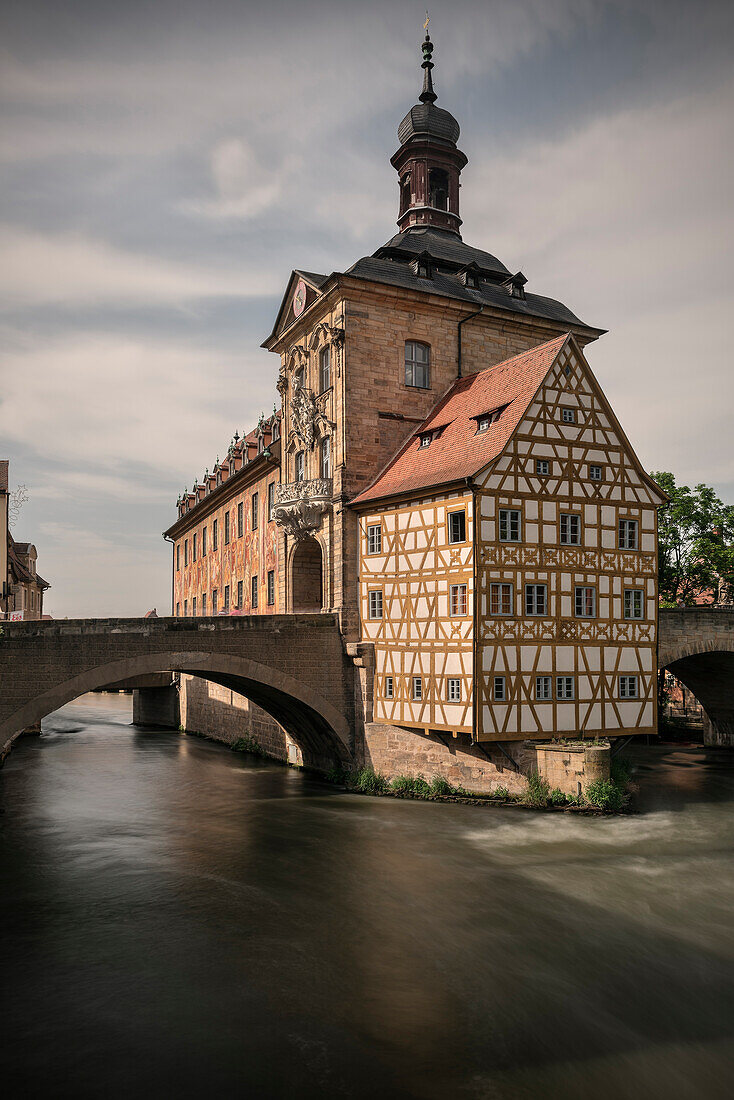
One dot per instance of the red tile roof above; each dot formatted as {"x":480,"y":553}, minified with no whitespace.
{"x":459,"y":451}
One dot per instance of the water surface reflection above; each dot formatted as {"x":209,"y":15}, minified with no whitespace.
{"x":182,"y":920}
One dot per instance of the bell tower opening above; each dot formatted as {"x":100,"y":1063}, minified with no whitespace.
{"x":307,"y":576}
{"x":438,"y":189}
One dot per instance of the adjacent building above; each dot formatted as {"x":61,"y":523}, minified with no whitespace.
{"x":22,"y":586}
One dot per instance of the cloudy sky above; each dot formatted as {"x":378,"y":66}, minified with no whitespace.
{"x":166,"y":164}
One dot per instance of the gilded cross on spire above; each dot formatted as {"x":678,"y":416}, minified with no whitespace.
{"x":427,"y":95}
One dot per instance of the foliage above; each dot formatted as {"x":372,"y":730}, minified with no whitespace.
{"x":337,"y":775}
{"x":538,"y":791}
{"x":557,"y":797}
{"x":500,"y":793}
{"x":368,"y":781}
{"x":606,"y":795}
{"x":695,"y":544}
{"x":410,"y":784}
{"x":439,"y":785}
{"x":247,"y":744}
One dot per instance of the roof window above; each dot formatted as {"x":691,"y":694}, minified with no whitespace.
{"x":425,"y":439}
{"x":485,"y":419}
{"x":422,"y":266}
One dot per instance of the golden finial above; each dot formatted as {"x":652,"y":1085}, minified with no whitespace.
{"x":428,"y":20}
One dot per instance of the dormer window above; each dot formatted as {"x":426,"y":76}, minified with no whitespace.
{"x":276,"y":430}
{"x":516,"y":285}
{"x":231,"y":467}
{"x":422,"y":266}
{"x":485,"y":419}
{"x":425,"y":439}
{"x":260,"y":444}
{"x":471,"y":276}
{"x":219,"y":477}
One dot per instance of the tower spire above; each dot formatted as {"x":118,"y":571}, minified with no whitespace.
{"x":427,"y":95}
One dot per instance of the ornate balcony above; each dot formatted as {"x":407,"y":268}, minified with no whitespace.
{"x":300,"y":505}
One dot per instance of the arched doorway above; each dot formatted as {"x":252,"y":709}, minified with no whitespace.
{"x":307,"y":576}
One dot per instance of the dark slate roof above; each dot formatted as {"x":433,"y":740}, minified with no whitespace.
{"x":426,"y":118}
{"x":442,"y":245}
{"x":312,"y":277}
{"x":449,"y":285}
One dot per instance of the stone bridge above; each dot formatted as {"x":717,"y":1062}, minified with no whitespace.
{"x":293,"y":666}
{"x":696,"y":644}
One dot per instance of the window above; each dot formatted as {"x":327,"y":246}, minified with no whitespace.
{"x":438,"y":188}
{"x":457,"y":600}
{"x":255,"y":509}
{"x":536,"y":599}
{"x":271,"y":499}
{"x":565,"y":687}
{"x":215,"y":594}
{"x":570,"y":530}
{"x":260,"y":443}
{"x":186,"y":607}
{"x":178,"y":557}
{"x":425,"y":439}
{"x":253,"y":592}
{"x":568,"y":416}
{"x":483,"y":422}
{"x":542,"y":466}
{"x":186,"y":553}
{"x":275,"y":431}
{"x":203,"y":541}
{"x":178,"y":610}
{"x":628,"y":534}
{"x":509,"y":525}
{"x":585,"y":602}
{"x":628,"y":687}
{"x":375,"y":604}
{"x":215,"y":534}
{"x":326,"y":457}
{"x":543,"y":689}
{"x":240,"y":520}
{"x":500,"y":598}
{"x":240,"y":586}
{"x":300,"y":466}
{"x":453,"y":690}
{"x":325,"y":369}
{"x":193,"y":547}
{"x":417,"y":688}
{"x":271,"y":587}
{"x":500,"y":689}
{"x":203,"y":603}
{"x":634,"y":603}
{"x":457,"y":526}
{"x":595,"y":473}
{"x":374,"y":538}
{"x":226,"y":528}
{"x":417,"y":365}
{"x":226,"y":598}
{"x":193,"y":606}
{"x":389,"y":687}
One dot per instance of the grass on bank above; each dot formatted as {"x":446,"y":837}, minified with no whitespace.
{"x":609,"y":795}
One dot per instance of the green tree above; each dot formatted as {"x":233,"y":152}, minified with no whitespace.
{"x":695,"y":543}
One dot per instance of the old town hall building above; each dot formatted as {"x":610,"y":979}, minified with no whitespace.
{"x":447,"y":475}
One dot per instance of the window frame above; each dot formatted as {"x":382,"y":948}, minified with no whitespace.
{"x":633,"y":592}
{"x":271,"y":500}
{"x":568,"y":415}
{"x":631,"y":679}
{"x":227,"y":526}
{"x":240,"y":594}
{"x":412,"y":363}
{"x":271,"y":588}
{"x":449,"y":515}
{"x":571,"y":519}
{"x":255,"y":510}
{"x":254,"y":591}
{"x":546,"y":695}
{"x":416,"y":695}
{"x":542,"y":462}
{"x":300,"y":466}
{"x":458,"y":599}
{"x":325,"y":457}
{"x":568,"y":680}
{"x":501,"y":585}
{"x":629,"y":524}
{"x":453,"y":683}
{"x":203,"y":603}
{"x":531,"y":606}
{"x":389,"y":688}
{"x":373,"y":618}
{"x":502,"y":519}
{"x":580,"y":594}
{"x":373,"y":530}
{"x":592,"y":476}
{"x":500,"y":682}
{"x":226,"y":604}
{"x":325,"y":357}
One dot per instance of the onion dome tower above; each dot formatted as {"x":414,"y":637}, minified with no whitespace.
{"x":428,"y":161}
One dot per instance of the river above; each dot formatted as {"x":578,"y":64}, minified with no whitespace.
{"x":181,"y":921}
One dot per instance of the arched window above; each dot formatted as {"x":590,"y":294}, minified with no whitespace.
{"x":438,"y":188}
{"x":300,"y":466}
{"x":417,"y":365}
{"x":405,"y":193}
{"x":276,"y":429}
{"x":324,"y":369}
{"x":326,"y":456}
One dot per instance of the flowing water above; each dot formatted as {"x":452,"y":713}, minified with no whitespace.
{"x":181,"y":921}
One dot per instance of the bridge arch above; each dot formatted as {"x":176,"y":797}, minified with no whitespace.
{"x":310,"y":719}
{"x":697,"y":646}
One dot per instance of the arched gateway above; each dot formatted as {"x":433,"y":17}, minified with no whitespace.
{"x":292,"y":666}
{"x":697,"y":646}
